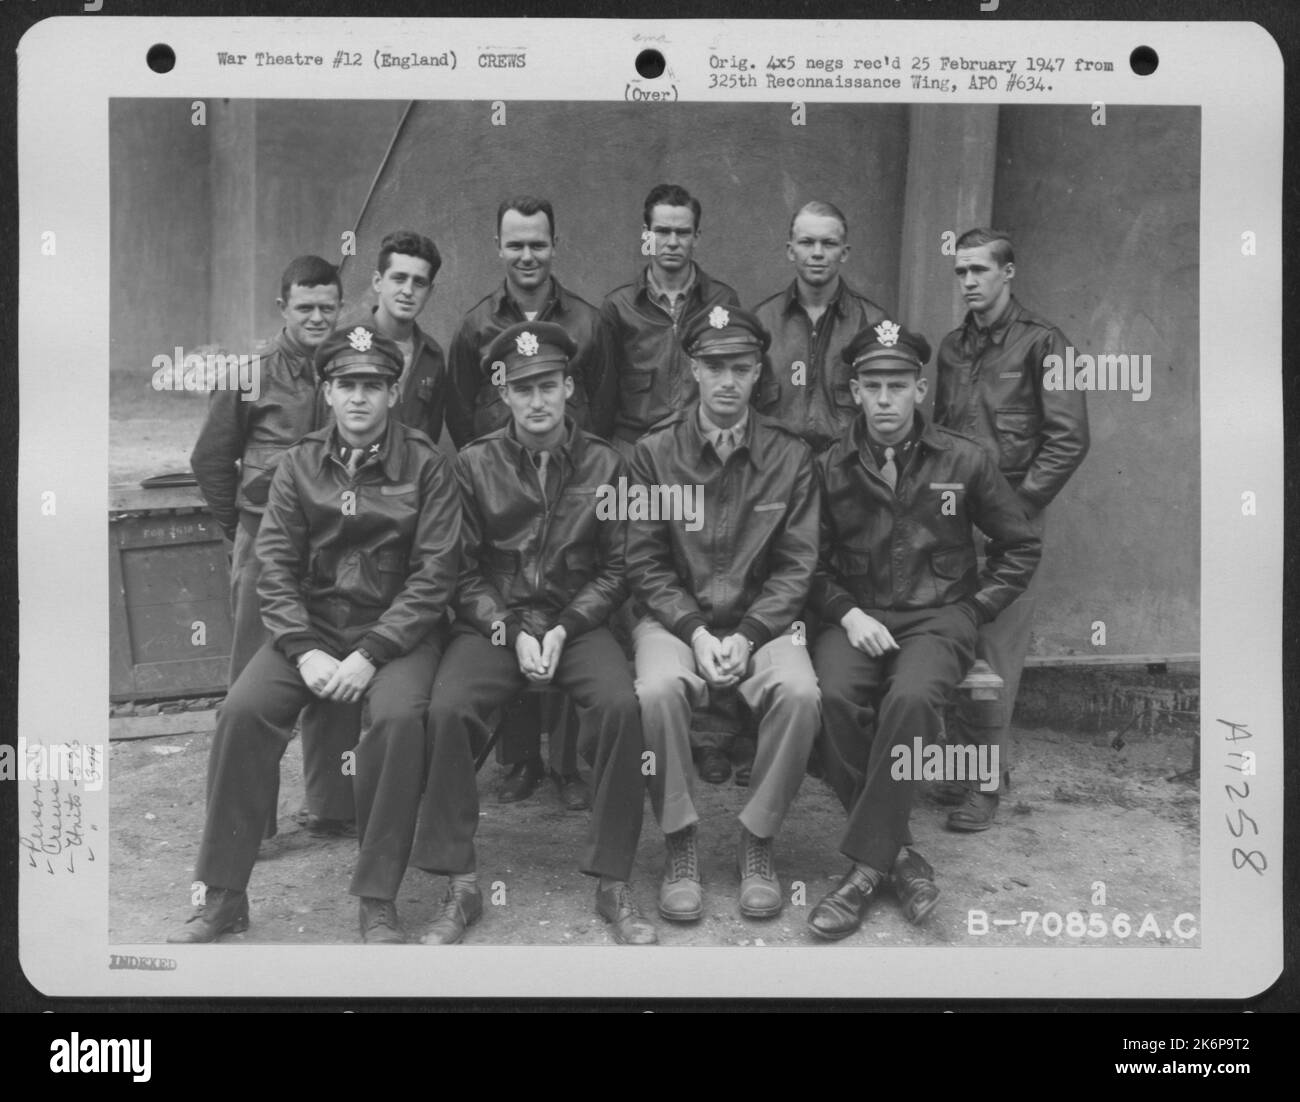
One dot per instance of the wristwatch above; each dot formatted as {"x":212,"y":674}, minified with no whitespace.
{"x":366,"y":655}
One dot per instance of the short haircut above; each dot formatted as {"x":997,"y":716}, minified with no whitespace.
{"x":670,"y":195}
{"x":527,"y":205}
{"x":409,"y":243}
{"x":309,"y":271}
{"x":999,"y":243}
{"x":821,"y":209}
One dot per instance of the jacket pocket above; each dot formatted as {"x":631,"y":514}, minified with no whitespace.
{"x":1017,"y":430}
{"x":952,"y":563}
{"x":579,"y":566}
{"x":391,"y":571}
{"x":256,"y":470}
{"x":637,"y":382}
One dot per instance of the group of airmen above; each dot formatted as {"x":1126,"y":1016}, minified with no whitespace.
{"x":851,"y":558}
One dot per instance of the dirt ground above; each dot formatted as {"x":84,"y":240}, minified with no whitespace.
{"x":1079,"y":812}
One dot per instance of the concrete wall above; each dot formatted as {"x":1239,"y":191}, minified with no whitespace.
{"x":1104,"y":218}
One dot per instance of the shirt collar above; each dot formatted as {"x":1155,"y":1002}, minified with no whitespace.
{"x":661,"y":297}
{"x":390,"y":458}
{"x":705,"y":431}
{"x":564,"y":451}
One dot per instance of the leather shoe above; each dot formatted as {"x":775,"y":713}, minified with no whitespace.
{"x":224,"y":911}
{"x":912,"y":879}
{"x":629,"y":927}
{"x":572,"y":790}
{"x":760,"y":891}
{"x":681,"y":899}
{"x":462,"y":906}
{"x":715,"y":766}
{"x":379,"y":925}
{"x":842,"y":911}
{"x":521,"y":781}
{"x":977,"y":813}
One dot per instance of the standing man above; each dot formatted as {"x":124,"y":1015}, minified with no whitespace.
{"x":722,"y":587}
{"x":901,"y":605}
{"x":650,"y":369}
{"x":526,"y":244}
{"x":543,"y":567}
{"x":234,"y":459}
{"x":990,"y":386}
{"x":806,"y":386}
{"x":403,"y":284}
{"x":359,"y":545}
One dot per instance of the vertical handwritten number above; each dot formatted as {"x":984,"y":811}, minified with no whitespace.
{"x":1241,"y":815}
{"x":1233,"y":792}
{"x":1240,"y":858}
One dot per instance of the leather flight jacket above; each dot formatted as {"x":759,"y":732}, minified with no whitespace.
{"x":241,"y":442}
{"x":531,"y":558}
{"x":820,"y":407}
{"x":748,"y":565}
{"x":474,"y":402}
{"x":651,"y":371}
{"x":913,"y":547}
{"x":377,"y":550}
{"x":990,"y":386}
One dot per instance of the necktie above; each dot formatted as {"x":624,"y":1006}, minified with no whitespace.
{"x":542,"y":459}
{"x":724,"y":444}
{"x":889,"y":472}
{"x":355,"y":456}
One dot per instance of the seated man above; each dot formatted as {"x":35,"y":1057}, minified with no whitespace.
{"x":721,"y":586}
{"x":901,"y":607}
{"x":359,"y":548}
{"x":542,"y":568}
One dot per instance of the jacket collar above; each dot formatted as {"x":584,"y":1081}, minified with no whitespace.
{"x":696,"y":441}
{"x":557,"y":301}
{"x":997,"y":332}
{"x":791,"y":302}
{"x":390,"y":454}
{"x":569,"y":450}
{"x":855,"y":436}
{"x":299,"y":360}
{"x":700,"y":290}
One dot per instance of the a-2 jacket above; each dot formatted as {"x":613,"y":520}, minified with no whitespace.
{"x":242,"y":441}
{"x":531,"y":560}
{"x":424,"y":385}
{"x":378,"y":550}
{"x":914,"y":547}
{"x":820,"y":405}
{"x":990,"y":386}
{"x":474,"y":404}
{"x":748,"y":565}
{"x":650,"y":370}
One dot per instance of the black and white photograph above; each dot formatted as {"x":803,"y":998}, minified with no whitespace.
{"x":764,"y":509}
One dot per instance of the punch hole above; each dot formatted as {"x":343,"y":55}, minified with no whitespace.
{"x":161,"y":58}
{"x":650,"y":64}
{"x":1143,"y":61}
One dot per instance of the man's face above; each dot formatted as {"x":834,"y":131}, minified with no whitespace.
{"x":888,"y":398}
{"x":985,"y":284}
{"x":817,"y":248}
{"x":310,"y":313}
{"x":404,"y":287}
{"x":675,"y":236}
{"x":360,"y":406}
{"x":537,"y":402}
{"x":726,"y":383}
{"x":526,"y":248}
